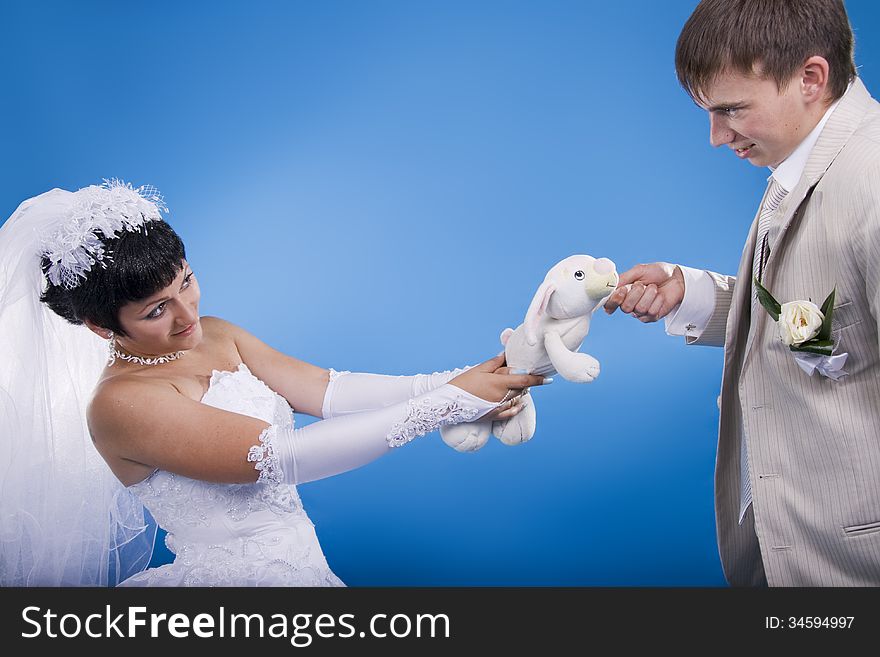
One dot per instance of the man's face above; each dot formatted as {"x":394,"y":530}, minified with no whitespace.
{"x":759,"y":122}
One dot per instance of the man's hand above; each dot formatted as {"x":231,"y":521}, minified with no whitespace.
{"x":648,"y":292}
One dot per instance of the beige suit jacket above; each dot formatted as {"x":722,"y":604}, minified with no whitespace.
{"x":813,"y":443}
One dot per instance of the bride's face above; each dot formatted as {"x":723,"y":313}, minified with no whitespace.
{"x":165,"y":322}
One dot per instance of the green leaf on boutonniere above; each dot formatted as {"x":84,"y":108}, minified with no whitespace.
{"x":827,"y":308}
{"x":821,"y":347}
{"x":770,"y":304}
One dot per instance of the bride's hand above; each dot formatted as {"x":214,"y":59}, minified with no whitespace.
{"x":506,"y":411}
{"x":493,"y":382}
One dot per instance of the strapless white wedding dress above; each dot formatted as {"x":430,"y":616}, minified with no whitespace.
{"x":234,"y":534}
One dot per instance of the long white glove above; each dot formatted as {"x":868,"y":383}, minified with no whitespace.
{"x":356,"y":392}
{"x":340,"y":444}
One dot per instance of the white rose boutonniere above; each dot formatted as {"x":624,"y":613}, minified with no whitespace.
{"x":806,"y":329}
{"x":799,"y":321}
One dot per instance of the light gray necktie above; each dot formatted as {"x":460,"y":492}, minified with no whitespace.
{"x":775,"y":194}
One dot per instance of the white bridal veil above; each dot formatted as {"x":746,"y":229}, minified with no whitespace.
{"x":65,"y":520}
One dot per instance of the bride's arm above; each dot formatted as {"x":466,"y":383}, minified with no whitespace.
{"x":150,"y":423}
{"x":355,"y":392}
{"x":302,"y":384}
{"x":327,"y":393}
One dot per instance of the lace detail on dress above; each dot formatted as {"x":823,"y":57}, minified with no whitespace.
{"x":424,"y":416}
{"x":335,"y":375}
{"x":236,"y":534}
{"x":250,"y":562}
{"x":266,"y":463}
{"x":175,"y":500}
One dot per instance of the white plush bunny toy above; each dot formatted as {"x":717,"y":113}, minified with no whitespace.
{"x":557,"y":321}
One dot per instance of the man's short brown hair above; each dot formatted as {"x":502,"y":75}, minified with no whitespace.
{"x":772,"y":38}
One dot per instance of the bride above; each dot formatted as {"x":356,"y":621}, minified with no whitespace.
{"x":118,"y":397}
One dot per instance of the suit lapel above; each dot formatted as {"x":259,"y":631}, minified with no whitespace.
{"x":742,"y":295}
{"x":837,"y":131}
{"x":840,"y":127}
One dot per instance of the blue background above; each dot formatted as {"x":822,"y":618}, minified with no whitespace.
{"x":381,"y":186}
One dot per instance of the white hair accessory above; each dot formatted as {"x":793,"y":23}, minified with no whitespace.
{"x":74,"y":244}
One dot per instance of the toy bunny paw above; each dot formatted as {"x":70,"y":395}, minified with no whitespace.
{"x":580,"y":368}
{"x":590,"y":367}
{"x":519,"y":428}
{"x":466,"y":437}
{"x":572,"y":365}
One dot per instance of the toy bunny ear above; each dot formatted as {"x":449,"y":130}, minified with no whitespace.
{"x":537,"y":308}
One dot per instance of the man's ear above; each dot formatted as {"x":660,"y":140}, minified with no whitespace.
{"x":98,"y":330}
{"x":814,"y":79}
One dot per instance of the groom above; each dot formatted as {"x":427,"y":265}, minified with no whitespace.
{"x":797,"y":482}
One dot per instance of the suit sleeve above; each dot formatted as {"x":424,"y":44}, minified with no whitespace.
{"x":692,"y":315}
{"x":715,"y":330}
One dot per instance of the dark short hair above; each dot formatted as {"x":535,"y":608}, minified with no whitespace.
{"x":136,"y":265}
{"x":770,"y":37}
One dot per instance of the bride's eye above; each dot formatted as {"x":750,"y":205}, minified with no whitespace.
{"x":157,"y":311}
{"x":579,"y":275}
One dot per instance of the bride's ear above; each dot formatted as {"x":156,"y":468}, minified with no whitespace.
{"x":98,"y":330}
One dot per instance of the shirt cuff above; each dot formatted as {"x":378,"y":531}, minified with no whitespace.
{"x":692,"y":315}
